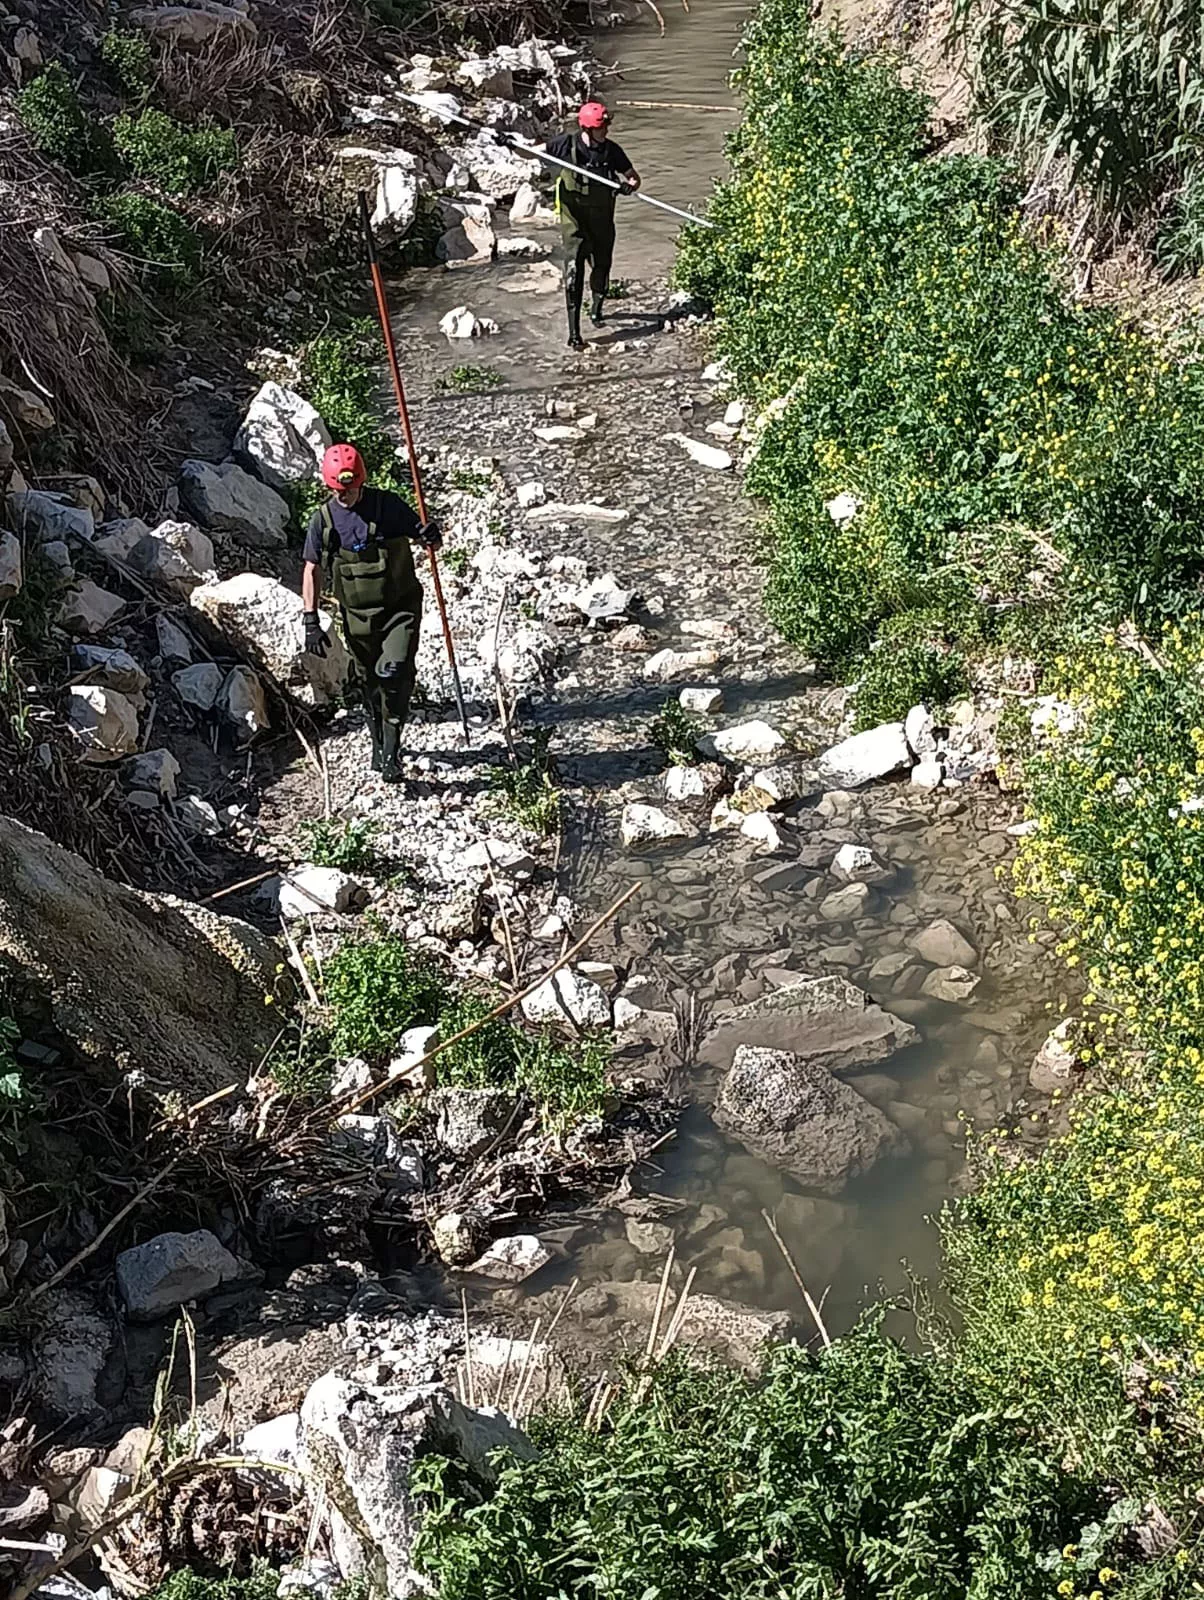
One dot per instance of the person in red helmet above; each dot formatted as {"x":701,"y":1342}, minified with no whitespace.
{"x":587,"y":210}
{"x":362,"y":540}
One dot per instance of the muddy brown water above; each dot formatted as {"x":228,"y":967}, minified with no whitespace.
{"x":703,"y":924}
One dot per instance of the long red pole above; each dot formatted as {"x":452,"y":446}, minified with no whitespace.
{"x":403,"y":411}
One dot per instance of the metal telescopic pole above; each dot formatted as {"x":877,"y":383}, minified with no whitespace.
{"x":386,"y":328}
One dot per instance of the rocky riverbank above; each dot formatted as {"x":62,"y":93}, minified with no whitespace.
{"x":818,"y":949}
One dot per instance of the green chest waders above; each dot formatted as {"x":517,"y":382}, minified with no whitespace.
{"x":587,"y":228}
{"x":381,"y":601}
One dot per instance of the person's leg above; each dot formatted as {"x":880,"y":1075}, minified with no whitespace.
{"x":602,"y":254}
{"x":396,"y":673}
{"x":362,"y":648}
{"x":576,"y":253}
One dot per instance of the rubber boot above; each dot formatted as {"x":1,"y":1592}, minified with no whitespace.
{"x":595,"y":310}
{"x":573,"y":306}
{"x":372,"y":708}
{"x":390,"y":759}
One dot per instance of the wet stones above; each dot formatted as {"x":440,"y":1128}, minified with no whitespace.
{"x":846,"y":904}
{"x":796,"y":1115}
{"x":954,"y":985}
{"x":941,"y":944}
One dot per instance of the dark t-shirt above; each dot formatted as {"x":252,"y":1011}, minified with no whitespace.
{"x":394,"y":519}
{"x":608,"y":159}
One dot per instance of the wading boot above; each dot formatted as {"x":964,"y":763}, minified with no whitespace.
{"x":390,"y":757}
{"x":595,"y":310}
{"x":372,"y":709}
{"x":573,"y":306}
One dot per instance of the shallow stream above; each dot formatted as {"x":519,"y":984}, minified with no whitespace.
{"x":709,"y":921}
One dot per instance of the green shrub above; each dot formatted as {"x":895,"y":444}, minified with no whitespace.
{"x":343,"y":843}
{"x":471,"y":379}
{"x":128,"y":59}
{"x":165,"y":244}
{"x":343,"y":379}
{"x":1117,"y":92}
{"x":862,"y":1471}
{"x":189,"y":1585}
{"x":177,"y":159}
{"x":61,"y":128}
{"x":526,"y":792}
{"x":925,"y":357}
{"x":676,"y":733}
{"x":376,"y":989}
{"x":912,"y":665}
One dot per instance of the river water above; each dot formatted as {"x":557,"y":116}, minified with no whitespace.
{"x":708,"y":922}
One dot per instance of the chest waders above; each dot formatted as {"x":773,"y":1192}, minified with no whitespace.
{"x":381,"y":601}
{"x":587,"y":228}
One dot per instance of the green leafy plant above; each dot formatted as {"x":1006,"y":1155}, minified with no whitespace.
{"x":471,"y":379}
{"x":375,"y":989}
{"x":676,"y":733}
{"x":165,"y":244}
{"x":863,"y":1470}
{"x":470,"y":480}
{"x":923,"y":356}
{"x":1116,"y":92}
{"x":187,"y":1584}
{"x":456,"y":559}
{"x":341,"y":377}
{"x":346,"y":843}
{"x":177,"y":159}
{"x":912,"y":665}
{"x":129,"y":62}
{"x":62,"y":128}
{"x":526,"y":791}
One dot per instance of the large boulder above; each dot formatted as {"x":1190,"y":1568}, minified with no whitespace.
{"x":71,"y":1347}
{"x":496,"y":171}
{"x":170,"y":1270}
{"x":359,"y":1444}
{"x":794,"y":1114}
{"x":49,"y":516}
{"x":174,"y":558}
{"x":263,"y":618}
{"x":282,"y":438}
{"x":642,"y":825}
{"x":748,"y":741}
{"x":172,"y":990}
{"x":944,"y":945}
{"x":876,"y":753}
{"x":830,"y":1021}
{"x":115,"y":669}
{"x":87,"y":610}
{"x":229,"y":500}
{"x":470,"y":1121}
{"x":103,"y":720}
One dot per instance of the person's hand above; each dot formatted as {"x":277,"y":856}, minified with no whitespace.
{"x":316,"y":642}
{"x":430,"y":535}
{"x":504,"y":137}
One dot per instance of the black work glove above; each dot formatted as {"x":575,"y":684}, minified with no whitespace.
{"x":430,"y":536}
{"x":501,"y":136}
{"x":316,"y":642}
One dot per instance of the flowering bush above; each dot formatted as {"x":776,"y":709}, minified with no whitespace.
{"x":1082,"y":1273}
{"x":926,"y":358}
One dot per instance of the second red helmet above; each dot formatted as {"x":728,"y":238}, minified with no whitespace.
{"x":343,"y":467}
{"x":593,"y":114}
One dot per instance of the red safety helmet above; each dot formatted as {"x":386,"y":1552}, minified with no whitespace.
{"x":593,"y":114}
{"x":343,"y":467}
